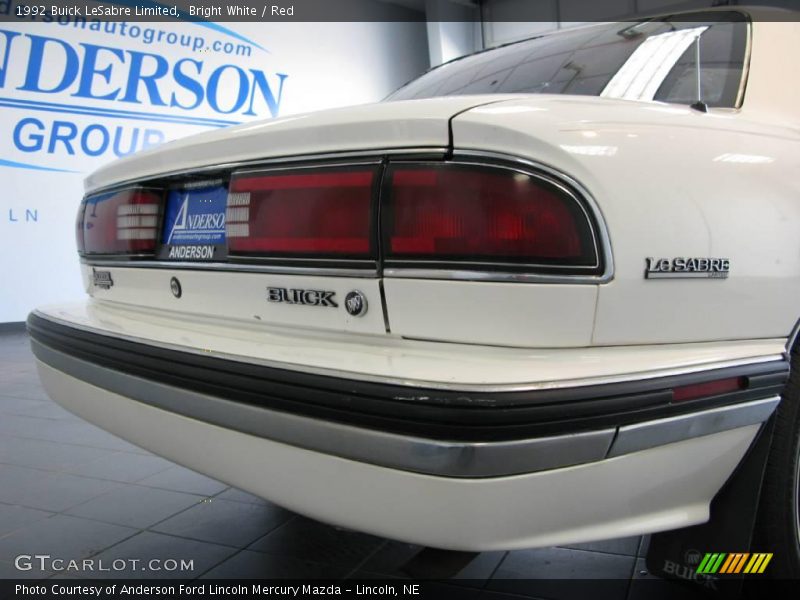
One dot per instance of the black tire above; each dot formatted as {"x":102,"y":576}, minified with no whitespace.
{"x":778,"y":528}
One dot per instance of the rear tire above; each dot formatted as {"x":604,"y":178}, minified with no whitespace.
{"x":778,"y":525}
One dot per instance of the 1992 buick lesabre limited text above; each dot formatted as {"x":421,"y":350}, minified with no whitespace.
{"x":543,"y":294}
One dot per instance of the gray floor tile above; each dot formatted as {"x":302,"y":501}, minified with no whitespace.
{"x":29,"y":571}
{"x":561,"y":573}
{"x":83,"y":433}
{"x":135,"y":506}
{"x":54,"y":492}
{"x":184,"y":480}
{"x":41,"y":410}
{"x":16,"y":517}
{"x":224,"y":522}
{"x":26,"y":452}
{"x":63,"y":431}
{"x":626,"y":546}
{"x":256,"y":565}
{"x":20,"y":406}
{"x":309,"y":540}
{"x":24,"y":387}
{"x":640,"y":570}
{"x":62,"y":536}
{"x":147,"y":546}
{"x":241,"y":496}
{"x":397,"y":559}
{"x":126,"y":467}
{"x":391,"y":559}
{"x":643,"y":546}
{"x":645,"y":586}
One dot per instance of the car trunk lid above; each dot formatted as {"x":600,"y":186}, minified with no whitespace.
{"x":414,"y":124}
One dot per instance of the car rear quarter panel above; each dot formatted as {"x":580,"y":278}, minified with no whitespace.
{"x":670,"y":181}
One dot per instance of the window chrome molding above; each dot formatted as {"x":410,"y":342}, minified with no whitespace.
{"x":538,"y":273}
{"x":297,"y":161}
{"x":748,"y":49}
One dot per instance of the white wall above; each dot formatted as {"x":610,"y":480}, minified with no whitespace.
{"x":306,"y":66}
{"x":453,"y":30}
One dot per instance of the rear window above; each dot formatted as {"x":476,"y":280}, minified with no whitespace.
{"x":650,"y":60}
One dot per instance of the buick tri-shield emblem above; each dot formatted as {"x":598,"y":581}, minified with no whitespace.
{"x":355,"y":303}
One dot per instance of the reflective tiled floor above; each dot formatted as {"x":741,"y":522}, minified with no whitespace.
{"x":70,"y":490}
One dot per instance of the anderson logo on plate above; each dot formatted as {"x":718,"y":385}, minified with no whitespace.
{"x":194,"y":224}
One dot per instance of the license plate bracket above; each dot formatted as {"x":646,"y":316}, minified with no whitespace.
{"x":194,"y":223}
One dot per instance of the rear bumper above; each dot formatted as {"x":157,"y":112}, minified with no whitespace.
{"x":426,"y":465}
{"x":439,"y":432}
{"x":662,"y":488}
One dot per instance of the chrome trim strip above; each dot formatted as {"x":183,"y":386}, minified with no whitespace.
{"x":438,"y":385}
{"x":267,"y":162}
{"x":467,"y":275}
{"x":237,"y":267}
{"x":407,"y":453}
{"x":633,"y":438}
{"x":748,"y":51}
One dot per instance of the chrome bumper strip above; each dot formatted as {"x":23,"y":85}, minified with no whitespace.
{"x":451,"y":459}
{"x":409,"y":453}
{"x":641,"y":436}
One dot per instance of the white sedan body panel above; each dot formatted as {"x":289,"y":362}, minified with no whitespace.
{"x":671,"y":181}
{"x":385,"y":126}
{"x":208,"y":293}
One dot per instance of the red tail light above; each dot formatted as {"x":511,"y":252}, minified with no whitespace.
{"x":121,"y":222}
{"x":483,"y":214}
{"x":324,"y":212}
{"x":708,"y":388}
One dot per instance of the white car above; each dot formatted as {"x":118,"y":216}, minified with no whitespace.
{"x":543,"y":294}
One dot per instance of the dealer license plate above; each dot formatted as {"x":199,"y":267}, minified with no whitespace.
{"x":194,"y":223}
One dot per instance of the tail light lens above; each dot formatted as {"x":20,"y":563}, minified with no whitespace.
{"x":303,"y":213}
{"x":477,"y":214}
{"x":122,"y":222}
{"x":708,"y":388}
